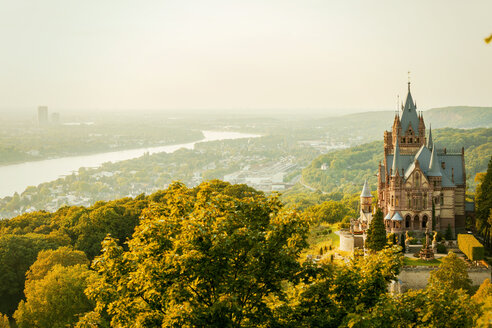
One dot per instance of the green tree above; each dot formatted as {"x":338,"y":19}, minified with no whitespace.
{"x":56,"y":300}
{"x":4,"y":321}
{"x":483,"y":297}
{"x":484,"y":206}
{"x":17,"y":254}
{"x":47,"y":259}
{"x":433,"y":215}
{"x":331,"y":294}
{"x":376,"y":234}
{"x":451,"y":274}
{"x":448,"y":235}
{"x":431,"y":307}
{"x":200,"y":257}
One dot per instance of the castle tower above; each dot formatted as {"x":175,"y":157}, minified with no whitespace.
{"x":365,"y":206}
{"x":410,"y":128}
{"x":366,"y":199}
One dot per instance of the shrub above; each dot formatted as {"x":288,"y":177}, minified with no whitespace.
{"x":471,"y":247}
{"x":441,"y":249}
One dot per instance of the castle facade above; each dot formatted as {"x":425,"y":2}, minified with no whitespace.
{"x":417,"y":180}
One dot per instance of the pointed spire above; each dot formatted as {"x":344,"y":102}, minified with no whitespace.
{"x":429,"y":140}
{"x":434,"y":170}
{"x":409,"y":114}
{"x":396,"y":159}
{"x":366,"y":191}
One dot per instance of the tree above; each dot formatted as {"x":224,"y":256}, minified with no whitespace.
{"x":451,"y":274}
{"x":47,"y":259}
{"x":433,"y":215}
{"x":376,"y":234}
{"x":483,"y":213}
{"x":200,"y":257}
{"x":448,"y":235}
{"x":4,"y":321}
{"x":56,"y":300}
{"x":430,"y":307}
{"x":17,"y":254}
{"x":483,"y":297}
{"x":331,"y":294}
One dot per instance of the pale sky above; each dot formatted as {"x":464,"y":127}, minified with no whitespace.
{"x":334,"y":55}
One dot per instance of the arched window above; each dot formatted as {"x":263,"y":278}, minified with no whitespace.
{"x":425,"y":200}
{"x":424,"y":221}
{"x":416,"y":222}
{"x":408,"y":218}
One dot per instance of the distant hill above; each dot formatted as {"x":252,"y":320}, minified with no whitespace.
{"x":368,"y":126}
{"x":463,"y":117}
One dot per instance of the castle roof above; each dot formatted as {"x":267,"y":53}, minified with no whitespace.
{"x":409,"y":116}
{"x":434,"y":169}
{"x":453,"y":166}
{"x":366,"y":191}
{"x":396,"y":217}
{"x":387,"y":217}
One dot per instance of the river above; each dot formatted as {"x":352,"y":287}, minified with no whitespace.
{"x":17,"y":177}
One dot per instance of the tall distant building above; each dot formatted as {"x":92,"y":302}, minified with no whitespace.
{"x":43,"y":115}
{"x":416,"y":174}
{"x":55,"y":118}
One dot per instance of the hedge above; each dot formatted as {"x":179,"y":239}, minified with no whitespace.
{"x":472,"y":248}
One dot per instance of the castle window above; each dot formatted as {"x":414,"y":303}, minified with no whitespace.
{"x":424,"y":221}
{"x":425,"y":200}
{"x":403,"y":140}
{"x":392,"y":200}
{"x":407,"y":221}
{"x":442,"y":200}
{"x":443,"y":165}
{"x":417,"y":140}
{"x":409,"y":197}
{"x":410,"y":141}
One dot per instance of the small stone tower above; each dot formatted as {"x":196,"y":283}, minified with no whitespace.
{"x":366,"y":204}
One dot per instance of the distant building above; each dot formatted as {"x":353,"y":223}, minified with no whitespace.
{"x":416,"y":176}
{"x":43,"y":115}
{"x":55,"y":118}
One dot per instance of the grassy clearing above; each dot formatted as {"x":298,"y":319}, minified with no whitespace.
{"x":419,"y":262}
{"x":321,"y":238}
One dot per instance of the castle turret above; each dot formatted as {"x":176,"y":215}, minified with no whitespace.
{"x":429,"y":140}
{"x":366,"y":198}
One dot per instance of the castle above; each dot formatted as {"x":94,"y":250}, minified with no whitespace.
{"x":418,"y":182}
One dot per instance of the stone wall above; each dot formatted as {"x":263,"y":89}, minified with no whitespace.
{"x":346,"y":241}
{"x":417,"y":277}
{"x":349,"y":241}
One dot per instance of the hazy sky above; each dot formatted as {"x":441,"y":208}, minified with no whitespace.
{"x":348,"y":55}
